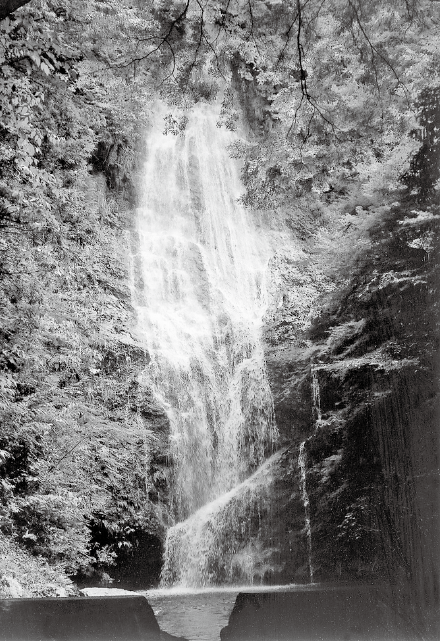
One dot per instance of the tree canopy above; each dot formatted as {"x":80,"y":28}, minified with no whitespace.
{"x":334,"y":85}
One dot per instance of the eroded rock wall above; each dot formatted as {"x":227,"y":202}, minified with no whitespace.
{"x":372,"y":449}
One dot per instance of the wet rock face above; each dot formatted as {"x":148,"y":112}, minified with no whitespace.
{"x":373,"y":458}
{"x":108,"y":158}
{"x":387,"y":376}
{"x":255,"y":107}
{"x":289,"y":378}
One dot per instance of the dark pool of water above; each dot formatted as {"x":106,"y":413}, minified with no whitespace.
{"x":198,"y":615}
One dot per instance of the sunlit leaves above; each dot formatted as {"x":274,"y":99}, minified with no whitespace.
{"x":364,"y":66}
{"x":30,"y":47}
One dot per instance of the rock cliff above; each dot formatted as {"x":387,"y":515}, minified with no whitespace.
{"x":360,"y":388}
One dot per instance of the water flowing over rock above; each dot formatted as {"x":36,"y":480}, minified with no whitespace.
{"x":200,"y":300}
{"x":223,"y":542}
{"x":302,"y":464}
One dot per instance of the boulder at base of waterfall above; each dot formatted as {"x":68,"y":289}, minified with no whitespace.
{"x":11,"y":587}
{"x":117,"y":618}
{"x":313,"y":614}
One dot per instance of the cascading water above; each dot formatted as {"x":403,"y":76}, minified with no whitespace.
{"x":302,"y":464}
{"x":203,"y":270}
{"x":221,"y":542}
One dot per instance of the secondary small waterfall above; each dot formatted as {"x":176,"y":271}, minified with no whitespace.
{"x":203,"y":267}
{"x":302,"y":464}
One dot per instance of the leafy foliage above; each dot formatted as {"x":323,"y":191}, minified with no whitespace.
{"x":333,"y":86}
{"x":73,"y":440}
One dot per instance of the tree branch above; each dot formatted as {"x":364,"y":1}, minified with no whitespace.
{"x":251,"y":33}
{"x":163,"y":40}
{"x":299,"y":47}
{"x":204,"y":37}
{"x":287,"y":36}
{"x":376,"y":51}
{"x":221,"y":25}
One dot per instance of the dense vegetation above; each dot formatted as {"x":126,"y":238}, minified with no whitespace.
{"x":73,"y":443}
{"x":337,"y":101}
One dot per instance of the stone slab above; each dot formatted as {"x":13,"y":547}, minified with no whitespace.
{"x":337,"y":614}
{"x":116,"y":618}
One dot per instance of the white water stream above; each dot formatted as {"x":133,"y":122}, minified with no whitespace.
{"x":200,"y":314}
{"x":221,"y":542}
{"x":302,"y":464}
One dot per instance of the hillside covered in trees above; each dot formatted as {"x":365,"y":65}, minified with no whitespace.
{"x":336,"y":105}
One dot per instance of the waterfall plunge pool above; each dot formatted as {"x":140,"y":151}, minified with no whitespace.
{"x":306,"y":612}
{"x":198,"y":614}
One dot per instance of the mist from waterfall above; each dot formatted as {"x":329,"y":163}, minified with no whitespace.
{"x":200,"y":308}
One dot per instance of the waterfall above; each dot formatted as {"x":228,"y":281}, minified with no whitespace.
{"x":221,"y":543}
{"x":203,"y":264}
{"x":302,"y":464}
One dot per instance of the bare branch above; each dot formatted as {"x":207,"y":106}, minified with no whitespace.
{"x":300,"y":50}
{"x":287,"y":35}
{"x":313,"y":18}
{"x":163,"y":40}
{"x":177,"y":20}
{"x":201,"y":34}
{"x":205,"y":38}
{"x":295,"y":115}
{"x":303,"y":80}
{"x":221,"y":26}
{"x":66,"y":454}
{"x":251,"y":33}
{"x":376,"y":51}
